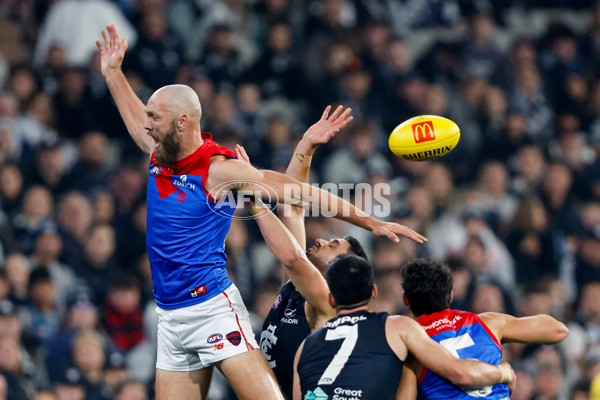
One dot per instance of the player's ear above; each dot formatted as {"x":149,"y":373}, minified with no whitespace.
{"x":405,"y":300}
{"x":374,"y":293}
{"x":451,"y":296}
{"x":182,"y":121}
{"x":331,"y":301}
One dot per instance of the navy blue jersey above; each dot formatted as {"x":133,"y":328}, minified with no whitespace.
{"x":283,"y":331}
{"x":350,"y":358}
{"x":186,"y":230}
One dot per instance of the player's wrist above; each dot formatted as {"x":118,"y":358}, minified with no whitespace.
{"x":302,"y":158}
{"x":505,"y":373}
{"x":306,"y":147}
{"x":111,"y":73}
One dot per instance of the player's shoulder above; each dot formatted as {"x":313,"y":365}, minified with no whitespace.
{"x":495,"y":321}
{"x":400,"y":323}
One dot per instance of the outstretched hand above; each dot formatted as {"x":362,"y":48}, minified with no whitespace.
{"x":327,"y":127}
{"x":113,"y":51}
{"x":241,"y":154}
{"x":391,"y":230}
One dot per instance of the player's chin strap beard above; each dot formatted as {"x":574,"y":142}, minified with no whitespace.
{"x":353,"y":306}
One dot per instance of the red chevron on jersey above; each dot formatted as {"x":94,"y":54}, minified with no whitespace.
{"x":195,"y":164}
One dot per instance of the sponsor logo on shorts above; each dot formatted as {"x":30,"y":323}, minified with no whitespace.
{"x":277,"y":301}
{"x":197,"y":291}
{"x":156,"y":170}
{"x":214,"y":338}
{"x":219,"y":346}
{"x":235,"y":337}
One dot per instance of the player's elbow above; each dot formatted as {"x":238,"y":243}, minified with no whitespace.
{"x":293,"y":257}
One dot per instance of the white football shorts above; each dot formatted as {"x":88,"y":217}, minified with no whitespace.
{"x":195,"y":337}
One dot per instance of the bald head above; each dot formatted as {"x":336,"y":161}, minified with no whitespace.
{"x":180,"y":99}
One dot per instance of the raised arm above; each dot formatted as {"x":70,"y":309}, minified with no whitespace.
{"x":305,"y":276}
{"x":439,"y":360}
{"x":130,"y":106}
{"x":536,"y":329}
{"x":224,"y":175}
{"x":299,"y":167}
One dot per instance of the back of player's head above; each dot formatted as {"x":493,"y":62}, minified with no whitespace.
{"x":356,"y":248}
{"x":427,"y":285}
{"x":350,"y":280}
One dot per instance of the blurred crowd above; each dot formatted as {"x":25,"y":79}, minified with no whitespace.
{"x":514,"y":209}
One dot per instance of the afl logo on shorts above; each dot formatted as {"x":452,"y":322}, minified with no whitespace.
{"x":156,"y":170}
{"x":214,"y":338}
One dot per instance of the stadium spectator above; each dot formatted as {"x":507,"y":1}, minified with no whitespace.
{"x":17,"y":272}
{"x":40,"y":317}
{"x":74,"y":218}
{"x":158,"y":52}
{"x":122,"y":312}
{"x":536,"y":115}
{"x":88,"y":359}
{"x":91,"y":174}
{"x":50,"y":168}
{"x":100,"y":264}
{"x":35,"y":216}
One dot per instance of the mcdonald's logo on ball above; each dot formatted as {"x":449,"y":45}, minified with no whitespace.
{"x":423,"y":131}
{"x":424,"y":137}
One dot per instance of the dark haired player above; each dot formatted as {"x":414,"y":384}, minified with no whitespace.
{"x":428,"y":292}
{"x":302,"y":304}
{"x":359,"y":354}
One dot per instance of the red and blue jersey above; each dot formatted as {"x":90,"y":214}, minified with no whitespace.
{"x":186,"y":230}
{"x":466,"y":336}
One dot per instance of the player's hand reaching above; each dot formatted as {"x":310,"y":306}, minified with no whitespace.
{"x":324,"y":129}
{"x":113,"y":51}
{"x":241,"y":154}
{"x":391,"y":230}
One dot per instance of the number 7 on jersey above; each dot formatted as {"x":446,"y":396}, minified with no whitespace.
{"x":350,"y":336}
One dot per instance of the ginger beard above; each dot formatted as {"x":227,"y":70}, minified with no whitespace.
{"x":167,"y":153}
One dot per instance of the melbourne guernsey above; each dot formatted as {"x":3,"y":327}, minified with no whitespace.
{"x":466,"y":336}
{"x":186,"y":230}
